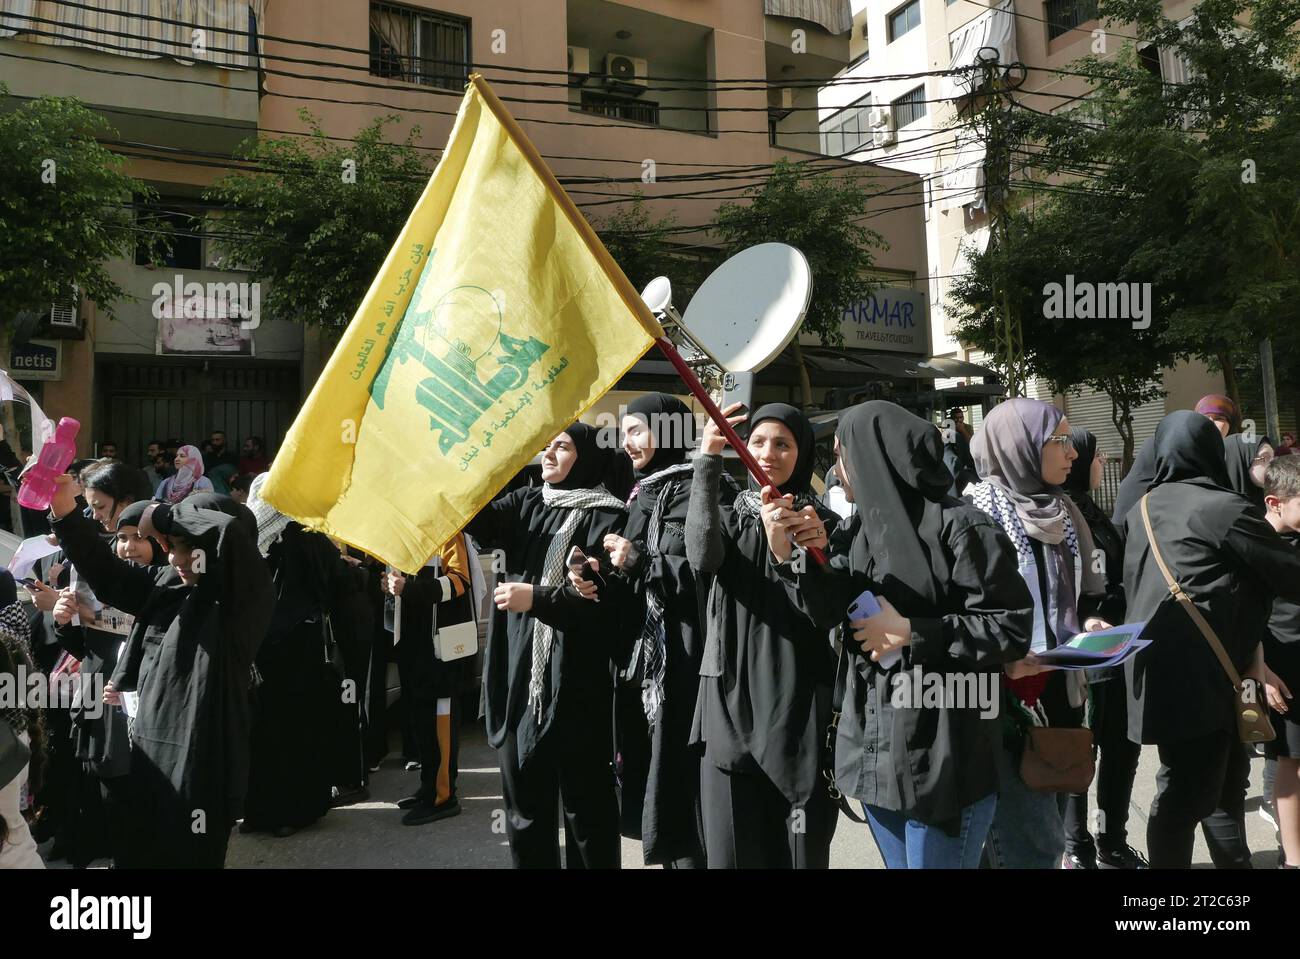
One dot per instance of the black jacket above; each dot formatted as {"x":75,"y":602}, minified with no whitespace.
{"x":928,"y":762}
{"x":1232,"y":564}
{"x":580,"y":678}
{"x":766,"y":673}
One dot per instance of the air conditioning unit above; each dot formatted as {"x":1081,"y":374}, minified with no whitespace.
{"x":63,"y":313}
{"x":883,"y":132}
{"x":626,"y":72}
{"x":880,"y":116}
{"x":579,"y":63}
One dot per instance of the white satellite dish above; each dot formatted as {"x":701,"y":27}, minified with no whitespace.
{"x":750,"y":308}
{"x":658,"y":296}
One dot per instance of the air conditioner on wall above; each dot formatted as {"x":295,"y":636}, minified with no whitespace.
{"x":626,"y":72}
{"x":883,"y":132}
{"x":579,"y":63}
{"x":63,"y":313}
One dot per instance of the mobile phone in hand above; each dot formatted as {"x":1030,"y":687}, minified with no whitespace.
{"x":577,"y":561}
{"x":864,"y":607}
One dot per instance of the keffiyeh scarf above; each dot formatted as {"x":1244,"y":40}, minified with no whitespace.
{"x":576,"y":501}
{"x":652,"y":645}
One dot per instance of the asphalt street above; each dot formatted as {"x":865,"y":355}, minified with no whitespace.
{"x":370,"y":834}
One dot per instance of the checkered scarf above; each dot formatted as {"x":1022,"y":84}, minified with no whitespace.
{"x":15,"y":635}
{"x":576,"y":501}
{"x":652,"y":645}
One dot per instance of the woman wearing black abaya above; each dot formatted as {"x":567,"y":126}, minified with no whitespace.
{"x":99,"y":731}
{"x":288,"y":779}
{"x":765,"y":679}
{"x":198,"y":624}
{"x":1246,"y":458}
{"x":1107,"y":701}
{"x":655,"y":697}
{"x":1230,"y":562}
{"x":547,"y":680}
{"x":952,"y":602}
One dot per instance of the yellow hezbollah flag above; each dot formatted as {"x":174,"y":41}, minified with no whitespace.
{"x":496,"y":320}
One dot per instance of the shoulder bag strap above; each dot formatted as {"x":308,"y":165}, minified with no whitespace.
{"x":1206,"y":630}
{"x":842,"y":668}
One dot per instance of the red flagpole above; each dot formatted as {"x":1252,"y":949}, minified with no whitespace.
{"x":742,"y":450}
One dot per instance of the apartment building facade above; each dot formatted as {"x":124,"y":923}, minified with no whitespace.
{"x":625,"y":97}
{"x":886,"y":109}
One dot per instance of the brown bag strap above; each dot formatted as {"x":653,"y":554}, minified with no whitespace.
{"x":1206,"y":630}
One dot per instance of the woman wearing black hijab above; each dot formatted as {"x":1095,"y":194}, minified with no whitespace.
{"x":1107,"y":701}
{"x":99,"y":732}
{"x":198,"y":625}
{"x":289,"y":750}
{"x":766,"y":673}
{"x":1231,"y":563}
{"x":547,"y":671}
{"x":655,"y":695}
{"x":1246,"y":458}
{"x":955,"y":607}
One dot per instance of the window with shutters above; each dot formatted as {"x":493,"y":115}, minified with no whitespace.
{"x":909,"y":108}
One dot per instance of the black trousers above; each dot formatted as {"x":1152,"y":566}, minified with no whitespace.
{"x":570,"y":768}
{"x":1117,"y":764}
{"x":1189,"y":786}
{"x":1225,"y":828}
{"x":749,"y":824}
{"x":437,"y":742}
{"x":115,"y":792}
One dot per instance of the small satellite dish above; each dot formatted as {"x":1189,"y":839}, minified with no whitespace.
{"x":750,"y":308}
{"x":658,"y":298}
{"x":658,"y":295}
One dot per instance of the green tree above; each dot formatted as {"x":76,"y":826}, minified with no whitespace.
{"x":642,"y":246}
{"x":1193,"y":187}
{"x":65,"y":211}
{"x":820,"y":214}
{"x":1075,"y":235}
{"x":1208,"y":168}
{"x":317,"y":217}
{"x":65,"y":208}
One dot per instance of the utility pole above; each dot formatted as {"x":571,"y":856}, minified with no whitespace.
{"x":994,"y":121}
{"x":1268,"y":378}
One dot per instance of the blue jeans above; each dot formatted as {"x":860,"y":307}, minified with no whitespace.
{"x":909,"y":844}
{"x":1029,"y":829}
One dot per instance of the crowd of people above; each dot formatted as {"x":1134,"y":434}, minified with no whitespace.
{"x":685,"y":659}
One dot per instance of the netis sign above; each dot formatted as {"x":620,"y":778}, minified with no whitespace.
{"x":892,"y":319}
{"x":36,"y":360}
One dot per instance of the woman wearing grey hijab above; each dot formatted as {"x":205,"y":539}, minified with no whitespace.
{"x":1023,"y":452}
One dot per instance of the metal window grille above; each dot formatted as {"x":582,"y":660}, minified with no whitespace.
{"x":909,"y":108}
{"x":1064,"y":15}
{"x":620,"y":108}
{"x":419,"y":46}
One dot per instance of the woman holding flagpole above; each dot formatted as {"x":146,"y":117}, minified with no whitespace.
{"x":765,"y":680}
{"x":547,"y":671}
